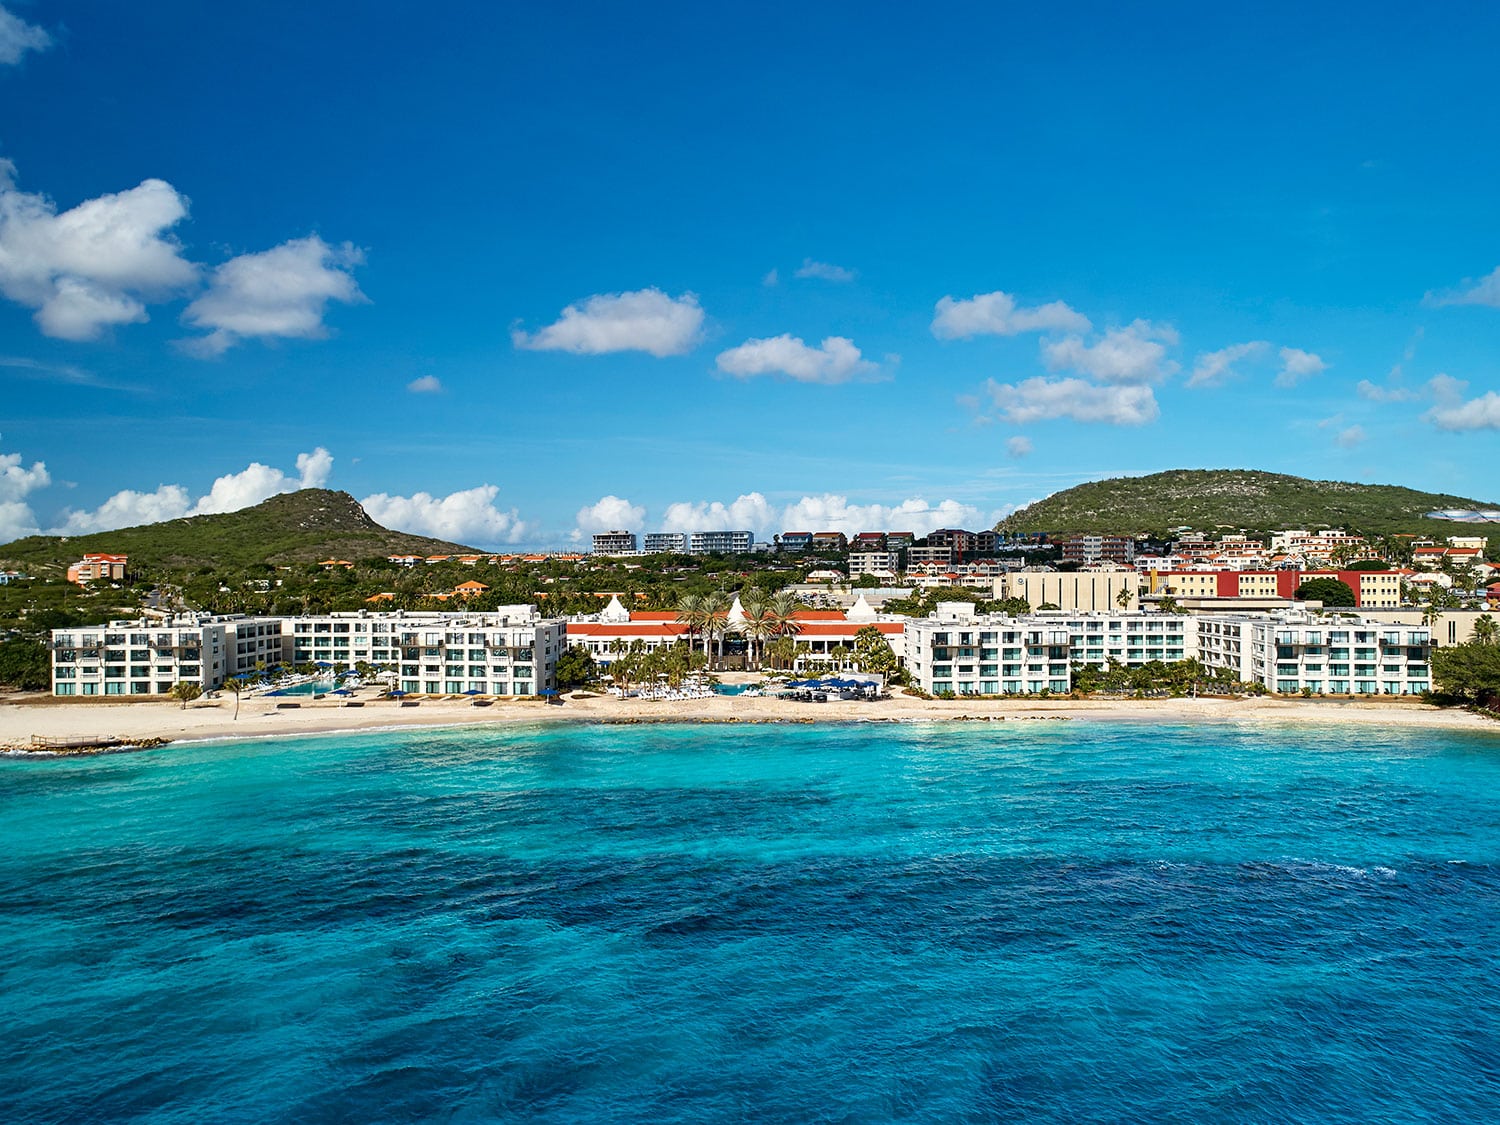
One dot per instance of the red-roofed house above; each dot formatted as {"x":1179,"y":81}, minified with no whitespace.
{"x":94,"y":567}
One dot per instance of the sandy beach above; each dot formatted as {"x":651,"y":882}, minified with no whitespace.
{"x":44,"y":717}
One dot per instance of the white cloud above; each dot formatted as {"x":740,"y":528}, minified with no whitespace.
{"x":1350,"y":437}
{"x":1456,"y":415}
{"x":1297,"y":365}
{"x":772,"y":278}
{"x":129,"y":508}
{"x":281,"y":293}
{"x":17,"y":37}
{"x":996,"y":314}
{"x":16,"y":483}
{"x":229,"y":493}
{"x":646,"y":320}
{"x":469,"y":516}
{"x":1018,"y":446}
{"x":836,"y":360}
{"x":1376,"y":393}
{"x":824,"y":271}
{"x":94,"y":266}
{"x":1446,"y":389}
{"x":1038,"y":399}
{"x":1485,"y":291}
{"x":832,"y":512}
{"x":751,"y":511}
{"x":426,"y":385}
{"x":1213,"y":368}
{"x":1136,"y":353}
{"x":608,"y":513}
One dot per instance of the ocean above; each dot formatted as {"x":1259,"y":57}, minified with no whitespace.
{"x":945,"y":922}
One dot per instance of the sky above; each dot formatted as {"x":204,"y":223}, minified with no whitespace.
{"x":511,"y":274}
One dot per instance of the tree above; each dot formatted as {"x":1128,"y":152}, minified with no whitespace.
{"x":575,"y":667}
{"x":1486,"y":632}
{"x":872,"y":652}
{"x":186,"y":691}
{"x":1329,"y":591}
{"x":25,"y":664}
{"x":758,"y":624}
{"x":236,"y":686}
{"x":1469,"y":671}
{"x":1123,"y":598}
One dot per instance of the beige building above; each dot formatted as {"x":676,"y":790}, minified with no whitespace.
{"x":1079,"y":591}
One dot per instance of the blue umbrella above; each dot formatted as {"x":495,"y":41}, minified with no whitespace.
{"x":341,"y":691}
{"x":323,"y":664}
{"x":395,"y":694}
{"x":546,"y":691}
{"x":473,"y":691}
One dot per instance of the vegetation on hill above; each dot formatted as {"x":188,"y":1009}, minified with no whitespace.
{"x":1238,"y":500}
{"x":296,"y":527}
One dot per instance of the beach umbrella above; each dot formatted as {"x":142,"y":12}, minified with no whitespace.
{"x":395,"y":694}
{"x":473,"y":691}
{"x":323,"y":664}
{"x":341,"y":691}
{"x":547,"y":691}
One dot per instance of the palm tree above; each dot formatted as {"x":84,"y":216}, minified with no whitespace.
{"x":715,"y":608}
{"x":757,"y":625}
{"x":782,"y":611}
{"x":1122,"y":599}
{"x":235,"y":686}
{"x":691,"y":612}
{"x":1485,"y":629}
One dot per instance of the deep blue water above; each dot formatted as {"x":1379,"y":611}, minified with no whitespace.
{"x":1059,"y":922}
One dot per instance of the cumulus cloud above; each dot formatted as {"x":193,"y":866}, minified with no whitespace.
{"x":752,"y":511}
{"x":832,"y":512}
{"x":281,"y":293}
{"x":608,"y":513}
{"x":1136,"y":353}
{"x":470,"y":516}
{"x":835,"y":360}
{"x":646,"y":320}
{"x":824,"y":271}
{"x":1485,"y":291}
{"x":1018,"y":446}
{"x":997,"y":314}
{"x":95,"y":266}
{"x":772,"y":278}
{"x":16,"y":483}
{"x":228,"y":493}
{"x":1213,"y":368}
{"x":129,"y":508}
{"x":1038,"y":399}
{"x":17,"y":37}
{"x":1349,"y":437}
{"x":1297,"y":365}
{"x":426,"y":385}
{"x":1456,"y":414}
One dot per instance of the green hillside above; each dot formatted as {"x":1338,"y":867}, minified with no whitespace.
{"x":1239,"y":499}
{"x":295,"y":527}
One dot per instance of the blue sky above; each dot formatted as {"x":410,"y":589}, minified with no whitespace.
{"x":511,"y":273}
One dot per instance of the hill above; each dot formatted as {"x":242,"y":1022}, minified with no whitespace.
{"x":1235,"y":499}
{"x":295,"y":527}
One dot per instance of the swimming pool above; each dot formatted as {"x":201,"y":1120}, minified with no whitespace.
{"x":312,"y":687}
{"x":736,"y":689}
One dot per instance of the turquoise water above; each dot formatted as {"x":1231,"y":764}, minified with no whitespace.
{"x":1059,"y":922}
{"x":312,"y":687}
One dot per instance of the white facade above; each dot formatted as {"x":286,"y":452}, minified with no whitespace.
{"x":882,"y":564}
{"x":615,"y":543}
{"x":149,"y":656}
{"x":1349,"y":655}
{"x":511,"y":650}
{"x":666,"y":543}
{"x":508,"y":651}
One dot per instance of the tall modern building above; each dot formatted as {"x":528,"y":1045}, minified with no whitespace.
{"x":615,"y":543}
{"x":721,"y":542}
{"x":666,"y":543}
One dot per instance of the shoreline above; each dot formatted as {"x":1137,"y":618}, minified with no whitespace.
{"x":213,"y":720}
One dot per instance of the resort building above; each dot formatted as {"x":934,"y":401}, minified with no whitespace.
{"x":956,"y":651}
{"x":835,"y":541}
{"x":150,"y":655}
{"x":794,"y":541}
{"x":615,"y":543}
{"x":508,"y":651}
{"x":98,"y":568}
{"x":666,"y":543}
{"x":1334,"y":654}
{"x":929,"y":556}
{"x":511,"y":650}
{"x":1216,"y":589}
{"x":721,"y":543}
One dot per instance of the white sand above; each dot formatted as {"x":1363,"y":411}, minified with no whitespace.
{"x":260,"y":717}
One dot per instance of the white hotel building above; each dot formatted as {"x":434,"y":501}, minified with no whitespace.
{"x":508,"y":651}
{"x":957,"y":651}
{"x":148,"y":656}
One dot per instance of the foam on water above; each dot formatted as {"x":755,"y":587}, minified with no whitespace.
{"x":936,"y":922}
